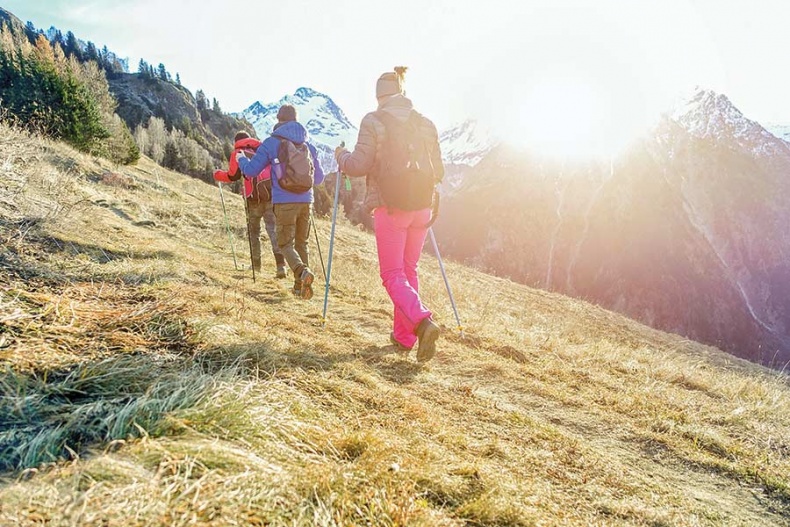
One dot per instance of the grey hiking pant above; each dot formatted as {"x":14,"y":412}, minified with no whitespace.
{"x":256,"y":211}
{"x":293,"y":233}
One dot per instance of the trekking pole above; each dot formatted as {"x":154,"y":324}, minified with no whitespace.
{"x":460,"y":328}
{"x":227,"y":226}
{"x":331,"y":244}
{"x":318,"y":244}
{"x":249,"y":233}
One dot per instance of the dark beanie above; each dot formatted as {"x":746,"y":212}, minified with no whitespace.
{"x":241,"y":135}
{"x":390,"y":83}
{"x":286,"y":113}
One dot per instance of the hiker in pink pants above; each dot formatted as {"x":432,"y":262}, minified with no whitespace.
{"x":400,"y":236}
{"x":398,"y":151}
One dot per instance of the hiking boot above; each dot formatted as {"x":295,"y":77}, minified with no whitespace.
{"x":307,"y":278}
{"x":280,"y":271}
{"x":427,"y":333}
{"x":400,"y":348}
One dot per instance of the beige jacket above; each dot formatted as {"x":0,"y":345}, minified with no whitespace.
{"x":364,"y":160}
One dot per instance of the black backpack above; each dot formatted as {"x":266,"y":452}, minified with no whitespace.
{"x":405,"y":176}
{"x":296,"y":173}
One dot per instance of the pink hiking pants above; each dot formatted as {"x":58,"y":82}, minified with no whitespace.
{"x":400,"y":236}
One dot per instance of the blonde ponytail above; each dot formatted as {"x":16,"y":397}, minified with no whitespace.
{"x":400,"y":71}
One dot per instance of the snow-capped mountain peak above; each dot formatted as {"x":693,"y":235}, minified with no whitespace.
{"x":327,"y":126}
{"x":466,"y":143}
{"x":710,"y":115}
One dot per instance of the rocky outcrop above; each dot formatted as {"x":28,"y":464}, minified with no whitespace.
{"x":142,"y":98}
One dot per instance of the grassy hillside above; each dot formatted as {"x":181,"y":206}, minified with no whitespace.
{"x":144,"y":381}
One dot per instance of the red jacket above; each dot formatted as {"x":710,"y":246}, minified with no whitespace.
{"x":256,"y":188}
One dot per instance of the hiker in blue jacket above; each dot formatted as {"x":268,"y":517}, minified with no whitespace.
{"x":291,"y":210}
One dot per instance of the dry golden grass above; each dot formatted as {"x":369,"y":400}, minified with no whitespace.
{"x":144,"y":381}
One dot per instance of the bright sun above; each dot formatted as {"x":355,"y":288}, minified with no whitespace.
{"x":568,"y":118}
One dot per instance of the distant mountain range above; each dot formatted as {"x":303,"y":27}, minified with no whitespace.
{"x":326,"y":123}
{"x":685,"y":231}
{"x":463,"y":145}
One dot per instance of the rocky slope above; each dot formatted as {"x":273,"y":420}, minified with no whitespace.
{"x":685,"y":232}
{"x":141,"y":98}
{"x":14,"y":23}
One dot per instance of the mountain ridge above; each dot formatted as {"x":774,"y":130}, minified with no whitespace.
{"x":682,"y":231}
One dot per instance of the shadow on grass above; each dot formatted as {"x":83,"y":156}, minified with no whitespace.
{"x":28,"y":233}
{"x":391,"y":364}
{"x":269,"y":296}
{"x":262,"y":358}
{"x":97,"y":253}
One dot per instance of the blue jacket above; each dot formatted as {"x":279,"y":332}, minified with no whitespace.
{"x":265,"y":154}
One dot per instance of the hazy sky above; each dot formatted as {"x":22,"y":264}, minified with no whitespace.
{"x":612,"y":64}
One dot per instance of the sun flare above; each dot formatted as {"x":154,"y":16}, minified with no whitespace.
{"x":568,"y":118}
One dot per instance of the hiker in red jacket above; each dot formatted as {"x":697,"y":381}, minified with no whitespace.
{"x":258,"y":193}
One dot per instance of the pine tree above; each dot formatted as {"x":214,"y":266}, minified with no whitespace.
{"x":73,"y":46}
{"x":178,"y":79}
{"x":91,"y":53}
{"x":215,"y":105}
{"x":171,"y":159}
{"x":162,"y":71}
{"x":142,"y":69}
{"x":104,"y":59}
{"x":200,"y":100}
